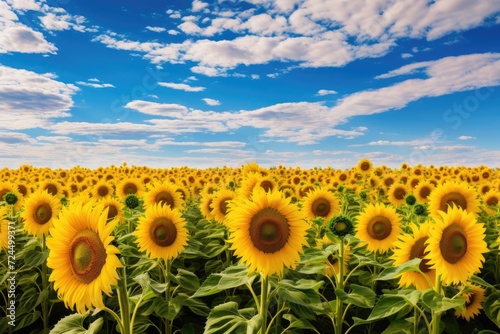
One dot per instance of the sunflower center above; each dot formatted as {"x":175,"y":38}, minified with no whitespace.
{"x":164,"y":197}
{"x":42,"y":213}
{"x":399,"y":193}
{"x":453,"y":244}
{"x":87,"y":256}
{"x":266,"y":185}
{"x":379,"y":227}
{"x":418,"y":251}
{"x":223,"y":206}
{"x":103,"y":191}
{"x":320,"y":207}
{"x":130,"y":188}
{"x":365,"y":166}
{"x":51,"y":189}
{"x":163,"y":232}
{"x":332,"y":259}
{"x":492,"y":201}
{"x":454,"y":198}
{"x":112,"y":212}
{"x":470,"y":300}
{"x":269,"y":230}
{"x":424,"y":192}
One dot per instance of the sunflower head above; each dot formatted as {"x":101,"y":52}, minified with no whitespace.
{"x":451,"y":194}
{"x":410,"y":199}
{"x":131,"y":201}
{"x":340,"y":226}
{"x":474,"y":300}
{"x":10,"y":198}
{"x":320,"y":203}
{"x":40,"y":209}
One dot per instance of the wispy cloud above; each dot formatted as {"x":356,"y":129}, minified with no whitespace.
{"x":211,"y":102}
{"x":466,"y":138}
{"x":156,"y":29}
{"x":323,"y":92}
{"x":181,"y":86}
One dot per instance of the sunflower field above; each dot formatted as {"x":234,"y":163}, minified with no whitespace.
{"x":131,"y":249}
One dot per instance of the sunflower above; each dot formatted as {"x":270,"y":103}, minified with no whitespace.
{"x":490,"y":202}
{"x":456,"y":246}
{"x":408,"y":247}
{"x":422,"y":191}
{"x":453,"y":194}
{"x":83,"y":261}
{"x":52,"y":187}
{"x":102,"y":189}
{"x":161,"y":232}
{"x":332,"y":263}
{"x":220,"y":204}
{"x":206,"y":206}
{"x":163,"y":193}
{"x":266,"y":231}
{"x":320,"y":203}
{"x":40,"y":210}
{"x":473,"y":303}
{"x":397,"y":193}
{"x":129,"y":186}
{"x":115,"y":208}
{"x":4,"y":227}
{"x":364,"y":166}
{"x":378,"y":227}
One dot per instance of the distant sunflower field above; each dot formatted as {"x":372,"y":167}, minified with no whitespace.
{"x":130,"y":249}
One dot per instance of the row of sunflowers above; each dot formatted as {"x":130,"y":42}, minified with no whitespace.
{"x":370,"y":249}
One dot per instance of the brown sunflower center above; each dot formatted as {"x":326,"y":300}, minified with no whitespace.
{"x":424,"y":192}
{"x":418,"y":251}
{"x":22,"y":189}
{"x":164,"y":197}
{"x":332,"y":259}
{"x":112,"y":211}
{"x":266,"y":185}
{"x":51,"y":189}
{"x":364,"y":166}
{"x":389,"y":181}
{"x":42,"y":214}
{"x":87,"y":256}
{"x":130,"y":188}
{"x":470,"y":299}
{"x":223,"y":206}
{"x":400,"y":193}
{"x":492,"y":201}
{"x":163,"y":232}
{"x":453,"y":243}
{"x":379,"y":227}
{"x":269,"y":230}
{"x":454,"y":198}
{"x":103,"y":191}
{"x":320,"y":207}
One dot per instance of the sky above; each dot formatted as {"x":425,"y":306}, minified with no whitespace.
{"x":299,"y":83}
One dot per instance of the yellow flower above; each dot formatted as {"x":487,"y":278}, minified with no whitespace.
{"x":83,"y":261}
{"x":456,"y":246}
{"x":473,"y":304}
{"x":266,"y":231}
{"x":397,"y":193}
{"x":220,"y":204}
{"x":364,"y":166}
{"x":408,"y":247}
{"x":320,"y":203}
{"x":40,"y":210}
{"x":102,"y":189}
{"x":163,"y":193}
{"x":453,"y":194}
{"x":423,"y":190}
{"x":378,"y":227}
{"x":161,"y":232}
{"x":4,"y":227}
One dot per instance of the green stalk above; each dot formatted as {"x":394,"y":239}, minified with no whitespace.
{"x":436,"y":316}
{"x":124,"y":304}
{"x":45,"y":285}
{"x":264,"y":302}
{"x":168,"y":324}
{"x":340,"y":285}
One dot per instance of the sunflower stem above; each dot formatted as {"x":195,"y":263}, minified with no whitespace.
{"x":436,"y":316}
{"x":168,"y":324}
{"x":124,"y":303}
{"x":264,"y":302}
{"x":340,"y":285}
{"x":116,"y":317}
{"x":45,"y":305}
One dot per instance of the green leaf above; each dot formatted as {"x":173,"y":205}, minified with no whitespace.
{"x":438,"y":303}
{"x":361,"y":296}
{"x":187,"y":280}
{"x":303,"y":292}
{"x":386,"y":306}
{"x":491,"y":307}
{"x":479,"y":281}
{"x":232,"y":277}
{"x":297,"y":323}
{"x":399,"y":326}
{"x":73,"y":324}
{"x":143,"y":280}
{"x":227,"y":318}
{"x":393,"y":272}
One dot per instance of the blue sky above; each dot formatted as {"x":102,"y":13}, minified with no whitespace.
{"x":312,"y":83}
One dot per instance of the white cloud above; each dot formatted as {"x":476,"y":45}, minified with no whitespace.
{"x":406,"y":55}
{"x":29,"y":99}
{"x":466,"y":138}
{"x":181,"y":86}
{"x":156,"y":29}
{"x":95,"y":84}
{"x":158,"y":109}
{"x":173,"y":32}
{"x":23,"y":39}
{"x":211,"y":102}
{"x":199,"y":5}
{"x":323,"y":92}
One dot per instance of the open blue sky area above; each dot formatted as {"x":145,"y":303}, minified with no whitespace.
{"x":309,"y":83}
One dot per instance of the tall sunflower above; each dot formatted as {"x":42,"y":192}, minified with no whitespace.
{"x":364,"y":166}
{"x":220,"y":204}
{"x":453,"y":194}
{"x":456,"y":246}
{"x":115,"y":208}
{"x":422,"y":191}
{"x":378,"y":227}
{"x":491,"y":202}
{"x":40,"y":210}
{"x":266,"y":231}
{"x":129,"y":186}
{"x":83,"y":261}
{"x":397,"y":193}
{"x":163,"y":193}
{"x":102,"y":189}
{"x":473,"y":303}
{"x":161,"y":232}
{"x":408,"y":247}
{"x":320,"y":203}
